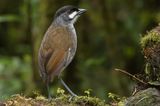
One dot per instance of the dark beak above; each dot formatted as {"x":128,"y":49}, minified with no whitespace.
{"x":81,"y":11}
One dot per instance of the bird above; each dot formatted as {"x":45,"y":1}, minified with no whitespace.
{"x":58,"y":46}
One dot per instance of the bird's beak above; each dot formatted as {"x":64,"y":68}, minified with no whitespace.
{"x":81,"y":11}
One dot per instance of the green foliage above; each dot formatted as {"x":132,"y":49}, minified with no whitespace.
{"x":8,"y":18}
{"x":116,"y":99}
{"x":60,"y":91}
{"x":15,"y":76}
{"x":88,"y":92}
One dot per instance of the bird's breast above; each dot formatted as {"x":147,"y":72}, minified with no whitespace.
{"x":73,"y":37}
{"x":72,"y":49}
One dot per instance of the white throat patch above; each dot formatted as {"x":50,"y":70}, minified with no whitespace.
{"x":73,"y":14}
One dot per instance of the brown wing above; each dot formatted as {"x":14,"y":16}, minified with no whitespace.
{"x":53,"y":51}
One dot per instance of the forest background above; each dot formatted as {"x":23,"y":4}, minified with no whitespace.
{"x":108,"y":38}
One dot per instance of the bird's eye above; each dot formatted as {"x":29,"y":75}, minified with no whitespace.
{"x":73,"y":10}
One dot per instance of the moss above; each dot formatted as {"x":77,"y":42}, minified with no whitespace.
{"x":150,"y":39}
{"x":116,"y":100}
{"x":145,"y":94}
{"x":19,"y":100}
{"x":61,"y":99}
{"x":150,"y":44}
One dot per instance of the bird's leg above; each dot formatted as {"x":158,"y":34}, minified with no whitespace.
{"x":48,"y":90}
{"x":68,"y":89}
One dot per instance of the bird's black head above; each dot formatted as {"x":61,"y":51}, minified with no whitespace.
{"x":68,"y":14}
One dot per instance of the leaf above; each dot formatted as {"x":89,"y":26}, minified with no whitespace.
{"x":8,"y":18}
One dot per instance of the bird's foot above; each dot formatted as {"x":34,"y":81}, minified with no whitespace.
{"x":49,"y":98}
{"x":72,"y":96}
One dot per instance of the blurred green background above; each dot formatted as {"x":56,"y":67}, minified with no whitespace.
{"x":108,"y":38}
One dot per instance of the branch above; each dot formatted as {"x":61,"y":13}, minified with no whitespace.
{"x":132,"y":76}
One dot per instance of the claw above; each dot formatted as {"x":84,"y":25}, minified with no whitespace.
{"x":71,"y":97}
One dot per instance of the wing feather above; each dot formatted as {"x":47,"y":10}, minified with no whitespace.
{"x":53,"y":51}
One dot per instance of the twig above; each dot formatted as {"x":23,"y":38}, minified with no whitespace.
{"x":140,"y":100}
{"x":125,"y":72}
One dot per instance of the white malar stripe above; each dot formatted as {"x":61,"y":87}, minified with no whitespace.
{"x":72,"y":15}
